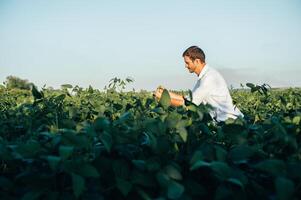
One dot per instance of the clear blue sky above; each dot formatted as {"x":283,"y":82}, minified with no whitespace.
{"x":89,"y":42}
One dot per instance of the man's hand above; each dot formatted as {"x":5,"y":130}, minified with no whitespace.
{"x":158,"y":92}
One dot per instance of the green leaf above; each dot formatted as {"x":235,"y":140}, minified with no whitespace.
{"x":139,"y":164}
{"x":65,"y":151}
{"x":175,"y":190}
{"x":59,"y":98}
{"x":144,"y":179}
{"x":172,"y":119}
{"x":163,"y":145}
{"x":78,"y":184}
{"x":72,"y":138}
{"x":165,"y":99}
{"x":284,"y":188}
{"x":194,"y":188}
{"x":153,"y":164}
{"x":143,"y":194}
{"x":223,"y":192}
{"x":294,"y":170}
{"x":117,"y":106}
{"x":236,"y":182}
{"x":192,"y":108}
{"x":73,"y":111}
{"x":53,"y":161}
{"x":241,"y":154}
{"x":173,"y":172}
{"x":65,"y":86}
{"x":129,"y":79}
{"x":163,"y":179}
{"x":32,"y":195}
{"x":221,"y":169}
{"x":36,"y":94}
{"x":107,"y":140}
{"x":29,"y":149}
{"x":101,"y":123}
{"x":183,"y":133}
{"x":180,"y":126}
{"x":197,"y":155}
{"x":88,"y":170}
{"x":250,"y":85}
{"x":121,"y":169}
{"x":159,"y":110}
{"x":5,"y":183}
{"x":198,"y":164}
{"x":220,"y":153}
{"x":153,"y":142}
{"x":296,"y":120}
{"x":273,"y":167}
{"x":124,"y":186}
{"x":240,"y":176}
{"x":123,"y":118}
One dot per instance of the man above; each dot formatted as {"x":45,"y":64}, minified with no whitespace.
{"x":210,"y":87}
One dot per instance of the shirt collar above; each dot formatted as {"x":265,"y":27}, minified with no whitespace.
{"x":204,"y":71}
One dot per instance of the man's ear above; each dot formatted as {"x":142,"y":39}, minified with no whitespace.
{"x":197,"y":61}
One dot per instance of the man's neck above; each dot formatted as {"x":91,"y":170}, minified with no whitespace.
{"x":199,"y":68}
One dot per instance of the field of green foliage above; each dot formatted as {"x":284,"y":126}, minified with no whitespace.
{"x":77,"y":143}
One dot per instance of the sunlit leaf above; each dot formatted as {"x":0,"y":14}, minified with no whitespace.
{"x":78,"y":184}
{"x":165,"y":99}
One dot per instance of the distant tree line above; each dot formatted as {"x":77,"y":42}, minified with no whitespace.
{"x":14,"y":82}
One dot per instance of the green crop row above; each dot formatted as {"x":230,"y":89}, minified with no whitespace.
{"x":77,"y":143}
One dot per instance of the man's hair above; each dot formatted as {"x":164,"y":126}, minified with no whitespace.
{"x":195,"y":52}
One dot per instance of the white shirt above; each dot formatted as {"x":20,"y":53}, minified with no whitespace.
{"x":211,"y":88}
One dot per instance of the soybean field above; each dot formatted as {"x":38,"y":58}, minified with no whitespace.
{"x":84,"y":143}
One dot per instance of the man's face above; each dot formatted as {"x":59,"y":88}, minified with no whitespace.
{"x":189,"y":64}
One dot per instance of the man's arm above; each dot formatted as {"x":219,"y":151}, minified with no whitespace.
{"x":175,"y":99}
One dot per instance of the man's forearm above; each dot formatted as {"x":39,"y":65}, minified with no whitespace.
{"x":176,"y":99}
